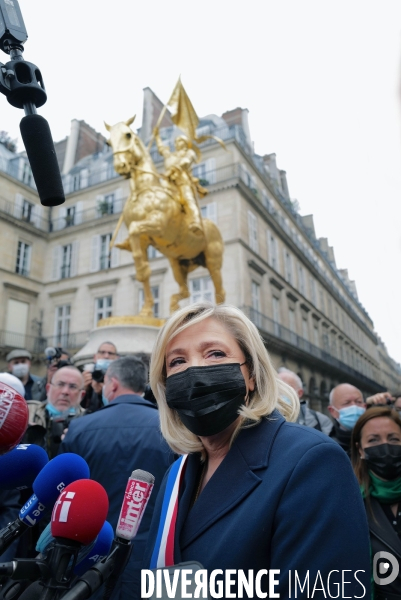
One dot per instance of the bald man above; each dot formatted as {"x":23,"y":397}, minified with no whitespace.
{"x":346,"y":406}
{"x":307,"y":416}
{"x":48,"y":419}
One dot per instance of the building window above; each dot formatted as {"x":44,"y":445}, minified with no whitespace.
{"x":66,"y":253}
{"x":255,"y":298}
{"x":62,"y":328}
{"x":76,"y":182}
{"x":305,"y":329}
{"x":70,"y":216}
{"x":206,"y":171}
{"x":301,"y":280}
{"x":156,"y":299}
{"x":105,"y":254}
{"x":27,"y":211}
{"x":288,"y":267}
{"x":313,"y":296}
{"x":201,"y":290}
{"x":253,"y":231}
{"x":26,"y":174}
{"x":23,"y":264}
{"x":106,"y":205}
{"x":276,"y":315}
{"x":273,"y":251}
{"x":209,"y":211}
{"x":153,"y":253}
{"x":316,"y":336}
{"x":103,"y":308}
{"x":322,"y":305}
{"x":293,"y":327}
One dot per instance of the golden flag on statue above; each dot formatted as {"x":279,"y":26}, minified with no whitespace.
{"x":182,"y":112}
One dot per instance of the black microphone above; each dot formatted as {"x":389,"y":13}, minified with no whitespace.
{"x":22,"y":83}
{"x":42,"y":157}
{"x":137,"y":493}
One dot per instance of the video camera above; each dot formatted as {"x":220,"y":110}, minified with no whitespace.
{"x":53,"y":357}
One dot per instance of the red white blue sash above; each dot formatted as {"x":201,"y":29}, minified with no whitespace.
{"x":163,"y":552}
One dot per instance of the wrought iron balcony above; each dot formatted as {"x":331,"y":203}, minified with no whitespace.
{"x":35,"y":344}
{"x":296,"y":344}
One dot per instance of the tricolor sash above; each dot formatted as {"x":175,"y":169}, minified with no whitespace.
{"x":163,"y":552}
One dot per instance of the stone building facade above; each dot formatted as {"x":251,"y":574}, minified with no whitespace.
{"x":59,"y":278}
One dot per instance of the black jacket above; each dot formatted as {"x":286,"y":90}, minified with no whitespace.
{"x":342,"y":437}
{"x":383,"y":538}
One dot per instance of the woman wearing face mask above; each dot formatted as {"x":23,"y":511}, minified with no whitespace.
{"x":251,"y":490}
{"x":376,"y":458}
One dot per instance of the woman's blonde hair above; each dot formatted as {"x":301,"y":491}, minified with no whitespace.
{"x":270,"y":392}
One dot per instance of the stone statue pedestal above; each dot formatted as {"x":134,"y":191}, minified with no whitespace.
{"x":131,"y":335}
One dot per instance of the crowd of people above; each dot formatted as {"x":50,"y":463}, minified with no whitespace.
{"x":259,"y":479}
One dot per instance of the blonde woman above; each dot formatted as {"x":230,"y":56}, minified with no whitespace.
{"x":252,"y":490}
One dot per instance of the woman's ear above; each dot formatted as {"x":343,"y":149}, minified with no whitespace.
{"x":360,"y":450}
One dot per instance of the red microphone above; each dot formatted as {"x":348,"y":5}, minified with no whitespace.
{"x":80,"y":511}
{"x":77,"y":518}
{"x":14,"y":417}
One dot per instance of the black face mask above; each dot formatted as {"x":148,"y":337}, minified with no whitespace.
{"x":207,"y":399}
{"x":384,"y":460}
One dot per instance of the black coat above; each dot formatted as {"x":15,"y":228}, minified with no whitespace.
{"x":383,"y":538}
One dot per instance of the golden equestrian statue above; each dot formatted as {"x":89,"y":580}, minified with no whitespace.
{"x":162,"y":209}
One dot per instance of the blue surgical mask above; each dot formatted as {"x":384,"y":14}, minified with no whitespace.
{"x":104,"y":399}
{"x":102,"y":364}
{"x":349,"y":415}
{"x":54,"y":412}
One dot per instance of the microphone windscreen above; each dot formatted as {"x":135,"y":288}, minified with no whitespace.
{"x":38,"y":142}
{"x":13,"y":418}
{"x":57,"y":474}
{"x":20,"y":467}
{"x":33,"y":592}
{"x":80,"y":511}
{"x":100,"y":549}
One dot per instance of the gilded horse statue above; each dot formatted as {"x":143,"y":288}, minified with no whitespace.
{"x":155,"y":215}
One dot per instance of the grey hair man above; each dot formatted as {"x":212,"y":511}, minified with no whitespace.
{"x":19,"y":364}
{"x":123,"y":436}
{"x":307,"y":416}
{"x":346,"y":405}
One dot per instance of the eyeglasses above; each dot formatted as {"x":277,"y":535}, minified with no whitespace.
{"x":104,"y":352}
{"x":71,"y":386}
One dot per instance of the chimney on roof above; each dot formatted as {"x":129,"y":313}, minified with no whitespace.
{"x":239,"y":116}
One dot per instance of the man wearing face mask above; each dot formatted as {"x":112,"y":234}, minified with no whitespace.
{"x":346,"y":406}
{"x":19,"y":364}
{"x":94,"y":377}
{"x":123,"y":436}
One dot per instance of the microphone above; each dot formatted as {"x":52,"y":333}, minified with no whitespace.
{"x":14,"y":417}
{"x":22,"y":83}
{"x":53,"y":478}
{"x":38,"y":142}
{"x":136,"y":497}
{"x":33,"y":569}
{"x":20,"y":467}
{"x":73,"y":525}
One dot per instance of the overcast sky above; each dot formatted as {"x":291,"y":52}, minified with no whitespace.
{"x":321,"y":80}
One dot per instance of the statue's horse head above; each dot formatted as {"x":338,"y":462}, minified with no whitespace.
{"x":128,"y":149}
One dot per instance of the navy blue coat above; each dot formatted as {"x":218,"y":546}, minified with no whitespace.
{"x":116,"y":440}
{"x":284,"y":497}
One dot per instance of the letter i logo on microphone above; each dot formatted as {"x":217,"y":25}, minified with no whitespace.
{"x":64,"y":501}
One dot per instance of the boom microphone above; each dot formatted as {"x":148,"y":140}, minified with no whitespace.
{"x":53,"y":478}
{"x":14,"y":417}
{"x":20,"y":467}
{"x":38,"y":142}
{"x":136,"y":497}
